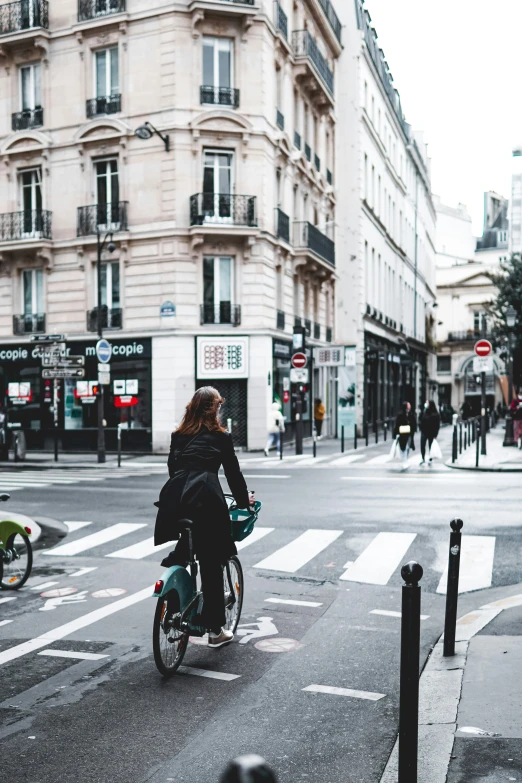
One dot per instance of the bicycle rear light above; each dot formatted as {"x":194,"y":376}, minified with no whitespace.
{"x":158,"y":587}
{"x":27,"y":530}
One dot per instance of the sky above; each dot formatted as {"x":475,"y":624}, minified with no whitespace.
{"x":458,"y":67}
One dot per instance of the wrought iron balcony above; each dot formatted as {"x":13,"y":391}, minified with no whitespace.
{"x":308,"y":152}
{"x":470,"y":335}
{"x":223,"y":313}
{"x":23,"y":15}
{"x":328,"y":334}
{"x":34,"y":323}
{"x":111,"y":318}
{"x":222,"y":96}
{"x":222,"y":209}
{"x":281,"y":20}
{"x":102,"y":217}
{"x":317,"y":162}
{"x":332,"y":18}
{"x":28,"y":224}
{"x":93,"y":9}
{"x":28,"y":118}
{"x":107,"y":104}
{"x":304,"y":45}
{"x":280,"y":119}
{"x":283,"y":225}
{"x":307,"y":235}
{"x":317,"y":331}
{"x":297,"y":140}
{"x":329,"y":176}
{"x":280,"y":320}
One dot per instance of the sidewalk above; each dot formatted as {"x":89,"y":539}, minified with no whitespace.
{"x":470,"y":722}
{"x":498,"y":458}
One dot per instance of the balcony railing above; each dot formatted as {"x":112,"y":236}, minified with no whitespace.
{"x":317,"y":162}
{"x":222,"y":96}
{"x":29,"y":324}
{"x":23,"y":15}
{"x":317,"y":331}
{"x":281,"y":20}
{"x":102,"y":217}
{"x":307,"y":235}
{"x":329,"y":176}
{"x":470,"y":335}
{"x":283,"y":225}
{"x":92,"y":9}
{"x":280,"y":119}
{"x":107,"y":104}
{"x":332,"y":18}
{"x":111,"y":318}
{"x":28,"y":224}
{"x":328,"y":334}
{"x":27,"y":118}
{"x":304,"y":45}
{"x":223,"y":313}
{"x":308,"y":152}
{"x":222,"y":209}
{"x":297,"y":140}
{"x":280,"y":320}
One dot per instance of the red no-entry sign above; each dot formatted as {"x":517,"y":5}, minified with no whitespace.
{"x":483,"y":348}
{"x":299,"y":361}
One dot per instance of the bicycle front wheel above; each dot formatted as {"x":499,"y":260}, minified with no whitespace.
{"x":168,"y":642}
{"x":233,"y":584}
{"x":17,"y":562}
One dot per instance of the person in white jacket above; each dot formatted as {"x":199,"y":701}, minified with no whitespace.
{"x":276,"y":426}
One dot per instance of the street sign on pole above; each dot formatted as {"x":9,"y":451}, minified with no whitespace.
{"x":299,"y":360}
{"x":299,"y":376}
{"x":104,"y":378}
{"x":55,"y":360}
{"x":103,"y":351}
{"x":483,"y":364}
{"x":51,"y":348}
{"x":47,"y":338}
{"x":66,"y":372}
{"x":483,"y":348}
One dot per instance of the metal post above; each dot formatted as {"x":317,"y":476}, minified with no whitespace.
{"x":483,"y":413}
{"x":465,"y":437}
{"x":342,"y":438}
{"x":299,"y":422}
{"x":281,"y":444}
{"x":477,"y":444}
{"x":55,"y":414}
{"x":385,"y":428}
{"x":119,"y":445}
{"x":101,"y":431}
{"x":248,"y":769}
{"x":355,"y":436}
{"x":460,"y":438}
{"x":366,"y":432}
{"x":314,"y":441}
{"x":454,"y":444}
{"x":452,"y":589}
{"x":509,"y":436}
{"x":376,"y":426}
{"x":409,"y":684}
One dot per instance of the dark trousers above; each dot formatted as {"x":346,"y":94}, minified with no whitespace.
{"x":425,"y":439}
{"x":318,"y":426}
{"x":212,"y":584}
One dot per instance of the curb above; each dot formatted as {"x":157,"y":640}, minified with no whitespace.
{"x":492,"y":469}
{"x":440,"y":688}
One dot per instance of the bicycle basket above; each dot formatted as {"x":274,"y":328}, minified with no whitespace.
{"x":242,"y":521}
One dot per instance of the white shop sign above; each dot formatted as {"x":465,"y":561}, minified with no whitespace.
{"x":483,"y":364}
{"x":332,"y":356}
{"x":222,"y":357}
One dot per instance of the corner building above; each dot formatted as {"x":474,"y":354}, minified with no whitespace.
{"x":224,"y":231}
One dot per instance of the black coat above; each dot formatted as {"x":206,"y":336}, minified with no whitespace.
{"x":193,"y":491}
{"x":402,"y":420}
{"x":429,"y":424}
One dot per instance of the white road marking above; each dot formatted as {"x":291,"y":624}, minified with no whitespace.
{"x":380,"y":559}
{"x":208,"y":673}
{"x":12,"y":653}
{"x":341,"y":461}
{"x":82,"y":656}
{"x":6,"y":600}
{"x":409,"y":477}
{"x":476,"y":564}
{"x":94,"y":540}
{"x":140,"y":550}
{"x":291,"y":603}
{"x":265,"y":627}
{"x":264,"y":476}
{"x":44,"y":585}
{"x":312,"y":460}
{"x":74,"y":526}
{"x":380,"y":460}
{"x":344,"y":692}
{"x":297,"y":553}
{"x":388,"y":613}
{"x":83,"y":571}
{"x":5,"y":622}
{"x":256,"y":535}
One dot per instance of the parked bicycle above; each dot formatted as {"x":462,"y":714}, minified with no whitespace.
{"x":180,"y":602}
{"x":16,"y":553}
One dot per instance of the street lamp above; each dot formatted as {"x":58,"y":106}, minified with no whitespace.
{"x":111,"y":247}
{"x":147,"y":130}
{"x":511,"y":319}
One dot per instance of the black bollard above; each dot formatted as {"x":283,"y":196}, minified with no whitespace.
{"x":314,"y":442}
{"x":460,"y":438}
{"x":366,"y":432}
{"x":248,"y":769}
{"x":280,"y":445}
{"x":409,"y":685}
{"x":342,"y":439}
{"x":452,"y":590}
{"x":376,"y":426}
{"x":355,"y":436}
{"x":385,"y":428}
{"x":454,"y":444}
{"x":477,"y":443}
{"x":465,"y":438}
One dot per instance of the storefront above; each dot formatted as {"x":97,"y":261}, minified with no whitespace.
{"x":285,"y":391}
{"x":28,"y":397}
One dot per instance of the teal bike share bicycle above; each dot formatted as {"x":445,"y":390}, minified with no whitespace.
{"x":180,"y":602}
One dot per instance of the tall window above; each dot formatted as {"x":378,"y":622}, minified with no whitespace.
{"x":107,"y":192}
{"x":30,"y":185}
{"x":32,"y":284}
{"x":218,"y":287}
{"x":110,"y":285}
{"x":30,"y":87}
{"x":217,"y":63}
{"x":106,"y":72}
{"x":217,"y":185}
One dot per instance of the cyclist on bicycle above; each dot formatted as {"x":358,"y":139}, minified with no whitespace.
{"x":199,"y":446}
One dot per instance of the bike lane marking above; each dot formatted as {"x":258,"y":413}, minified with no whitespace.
{"x":291,"y":603}
{"x":74,"y":625}
{"x":82,"y":656}
{"x":208,"y":673}
{"x":344,"y":692}
{"x":11,"y":598}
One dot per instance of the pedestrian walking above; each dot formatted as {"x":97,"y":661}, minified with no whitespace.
{"x":405,"y":429}
{"x":276,"y":427}
{"x":465,"y":411}
{"x":429,"y":425}
{"x":319,"y":414}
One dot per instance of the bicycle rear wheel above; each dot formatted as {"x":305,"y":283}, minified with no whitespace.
{"x":17,"y":562}
{"x":169,"y":643}
{"x":234,"y":590}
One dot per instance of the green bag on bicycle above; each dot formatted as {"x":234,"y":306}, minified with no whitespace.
{"x":242,"y":520}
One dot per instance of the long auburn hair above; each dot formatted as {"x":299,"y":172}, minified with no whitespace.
{"x":202,"y":411}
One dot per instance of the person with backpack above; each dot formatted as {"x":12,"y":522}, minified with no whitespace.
{"x":429,"y":425}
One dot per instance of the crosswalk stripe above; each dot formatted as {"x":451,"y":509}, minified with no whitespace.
{"x":341,"y":461}
{"x":256,"y":535}
{"x":297,"y":553}
{"x":380,"y":559}
{"x":380,"y":460}
{"x":476,"y":564}
{"x":74,"y":526}
{"x":95,"y":539}
{"x":141,"y":549}
{"x":312,"y":460}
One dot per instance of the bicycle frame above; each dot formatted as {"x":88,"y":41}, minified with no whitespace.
{"x":9,"y":528}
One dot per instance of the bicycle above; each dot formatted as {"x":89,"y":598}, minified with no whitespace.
{"x":180,"y":603}
{"x":16,"y":553}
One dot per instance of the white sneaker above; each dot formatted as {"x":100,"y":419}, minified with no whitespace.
{"x":218,"y":640}
{"x":267,"y":453}
{"x":422,"y":462}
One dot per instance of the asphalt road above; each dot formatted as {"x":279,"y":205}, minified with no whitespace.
{"x":113,"y":718}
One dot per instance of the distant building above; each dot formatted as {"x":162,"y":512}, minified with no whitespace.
{"x":515,"y":215}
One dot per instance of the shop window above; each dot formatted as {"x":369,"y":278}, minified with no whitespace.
{"x":32,"y":293}
{"x":443,"y":364}
{"x":106,"y":72}
{"x":218,"y":288}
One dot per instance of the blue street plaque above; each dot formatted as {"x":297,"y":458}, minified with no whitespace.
{"x":103,"y":351}
{"x":167,"y":310}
